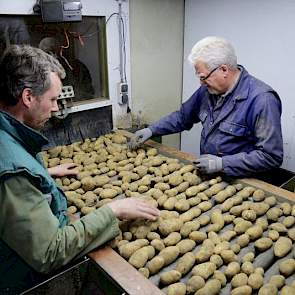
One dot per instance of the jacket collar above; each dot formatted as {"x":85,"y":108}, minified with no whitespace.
{"x":32,"y":140}
{"x":242,"y":89}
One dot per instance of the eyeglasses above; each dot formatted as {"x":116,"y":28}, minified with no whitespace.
{"x":210,"y":73}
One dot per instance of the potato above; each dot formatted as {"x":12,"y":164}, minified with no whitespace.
{"x":72,"y":209}
{"x":139,"y":258}
{"x":216,"y":220}
{"x":287,"y":267}
{"x":153,"y":235}
{"x":288,"y":290}
{"x":254,"y":232}
{"x":259,"y":208}
{"x":221,"y":246}
{"x":262,"y":222}
{"x":176,"y":289}
{"x":165,"y":214}
{"x":249,"y":215}
{"x":191,"y":178}
{"x":217,"y":260}
{"x":108,"y":193}
{"x":240,"y":279}
{"x":228,"y":256}
{"x":277,"y":280}
{"x":192,"y":191}
{"x":205,"y":206}
{"x":172,"y":239}
{"x":263,"y":244}
{"x":204,"y":270}
{"x":291,"y":233}
{"x":273,"y":214}
{"x":161,"y":200}
{"x":168,"y":226}
{"x":214,"y":237}
{"x":289,"y":221}
{"x":188,"y":227}
{"x":158,"y":244}
{"x":282,"y":246}
{"x":171,"y":192}
{"x":255,"y":281}
{"x":186,"y":245}
{"x":74,"y":185}
{"x":169,"y":254}
{"x":190,"y":214}
{"x":182,"y":187}
{"x":197,"y":236}
{"x":218,"y":275}
{"x":228,"y":235}
{"x":268,"y":289}
{"x":204,"y":220}
{"x":86,"y":210}
{"x":248,"y":257}
{"x":228,"y":218}
{"x":170,"y":277}
{"x":232,"y":269}
{"x":142,"y":231}
{"x":271,"y":200}
{"x":155,"y":264}
{"x":185,"y":263}
{"x":279,"y":227}
{"x":247,"y":267}
{"x":128,"y":249}
{"x":170,"y":203}
{"x":243,"y":290}
{"x":194,"y":283}
{"x":242,"y":227}
{"x":212,"y":287}
{"x":182,"y":205}
{"x":273,"y":235}
{"x":127,"y":236}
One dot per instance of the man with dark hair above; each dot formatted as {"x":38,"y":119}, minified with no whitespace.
{"x":36,"y":236}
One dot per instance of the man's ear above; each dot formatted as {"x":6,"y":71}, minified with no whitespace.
{"x":27,"y":97}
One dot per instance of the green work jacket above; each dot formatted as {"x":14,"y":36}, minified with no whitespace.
{"x":36,"y":237}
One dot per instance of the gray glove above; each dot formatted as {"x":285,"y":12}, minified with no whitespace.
{"x":140,"y":137}
{"x":209,"y":163}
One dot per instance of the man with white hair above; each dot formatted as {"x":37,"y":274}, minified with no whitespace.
{"x":241,"y":115}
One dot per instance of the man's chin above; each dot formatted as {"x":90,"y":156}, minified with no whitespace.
{"x":213,"y":91}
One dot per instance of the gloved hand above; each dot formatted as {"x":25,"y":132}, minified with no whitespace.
{"x":209,"y":163}
{"x":140,"y":137}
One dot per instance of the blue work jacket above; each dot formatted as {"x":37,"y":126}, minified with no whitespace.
{"x":245,"y":130}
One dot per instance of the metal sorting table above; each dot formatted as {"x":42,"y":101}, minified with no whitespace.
{"x":134,"y":283}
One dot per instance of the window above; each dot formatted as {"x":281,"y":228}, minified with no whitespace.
{"x":79,"y":46}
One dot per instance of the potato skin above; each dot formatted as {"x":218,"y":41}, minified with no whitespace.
{"x":176,"y":289}
{"x":185,"y":263}
{"x":170,"y":277}
{"x":155,"y":264}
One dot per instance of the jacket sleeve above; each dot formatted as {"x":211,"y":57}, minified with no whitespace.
{"x":28,"y":226}
{"x":268,"y":149}
{"x":180,"y":120}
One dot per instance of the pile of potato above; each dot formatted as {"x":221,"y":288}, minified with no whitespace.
{"x":211,"y":237}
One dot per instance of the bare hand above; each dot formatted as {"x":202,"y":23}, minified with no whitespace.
{"x":132,"y":208}
{"x":63,"y":170}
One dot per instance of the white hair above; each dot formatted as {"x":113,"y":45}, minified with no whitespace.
{"x":213,"y":51}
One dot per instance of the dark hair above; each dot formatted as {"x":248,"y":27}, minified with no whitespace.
{"x":24,"y":66}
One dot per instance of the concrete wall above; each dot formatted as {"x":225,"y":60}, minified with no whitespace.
{"x":156,"y":50}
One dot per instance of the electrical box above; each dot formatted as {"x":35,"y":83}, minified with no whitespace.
{"x":61,"y":10}
{"x":122,"y":93}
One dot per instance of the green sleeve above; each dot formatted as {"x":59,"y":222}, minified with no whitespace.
{"x":28,"y":226}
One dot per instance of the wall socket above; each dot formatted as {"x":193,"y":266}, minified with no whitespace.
{"x":122,"y":93}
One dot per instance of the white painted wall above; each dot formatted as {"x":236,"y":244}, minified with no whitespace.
{"x":156,"y":35}
{"x":95,"y":8}
{"x":263,"y":34}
